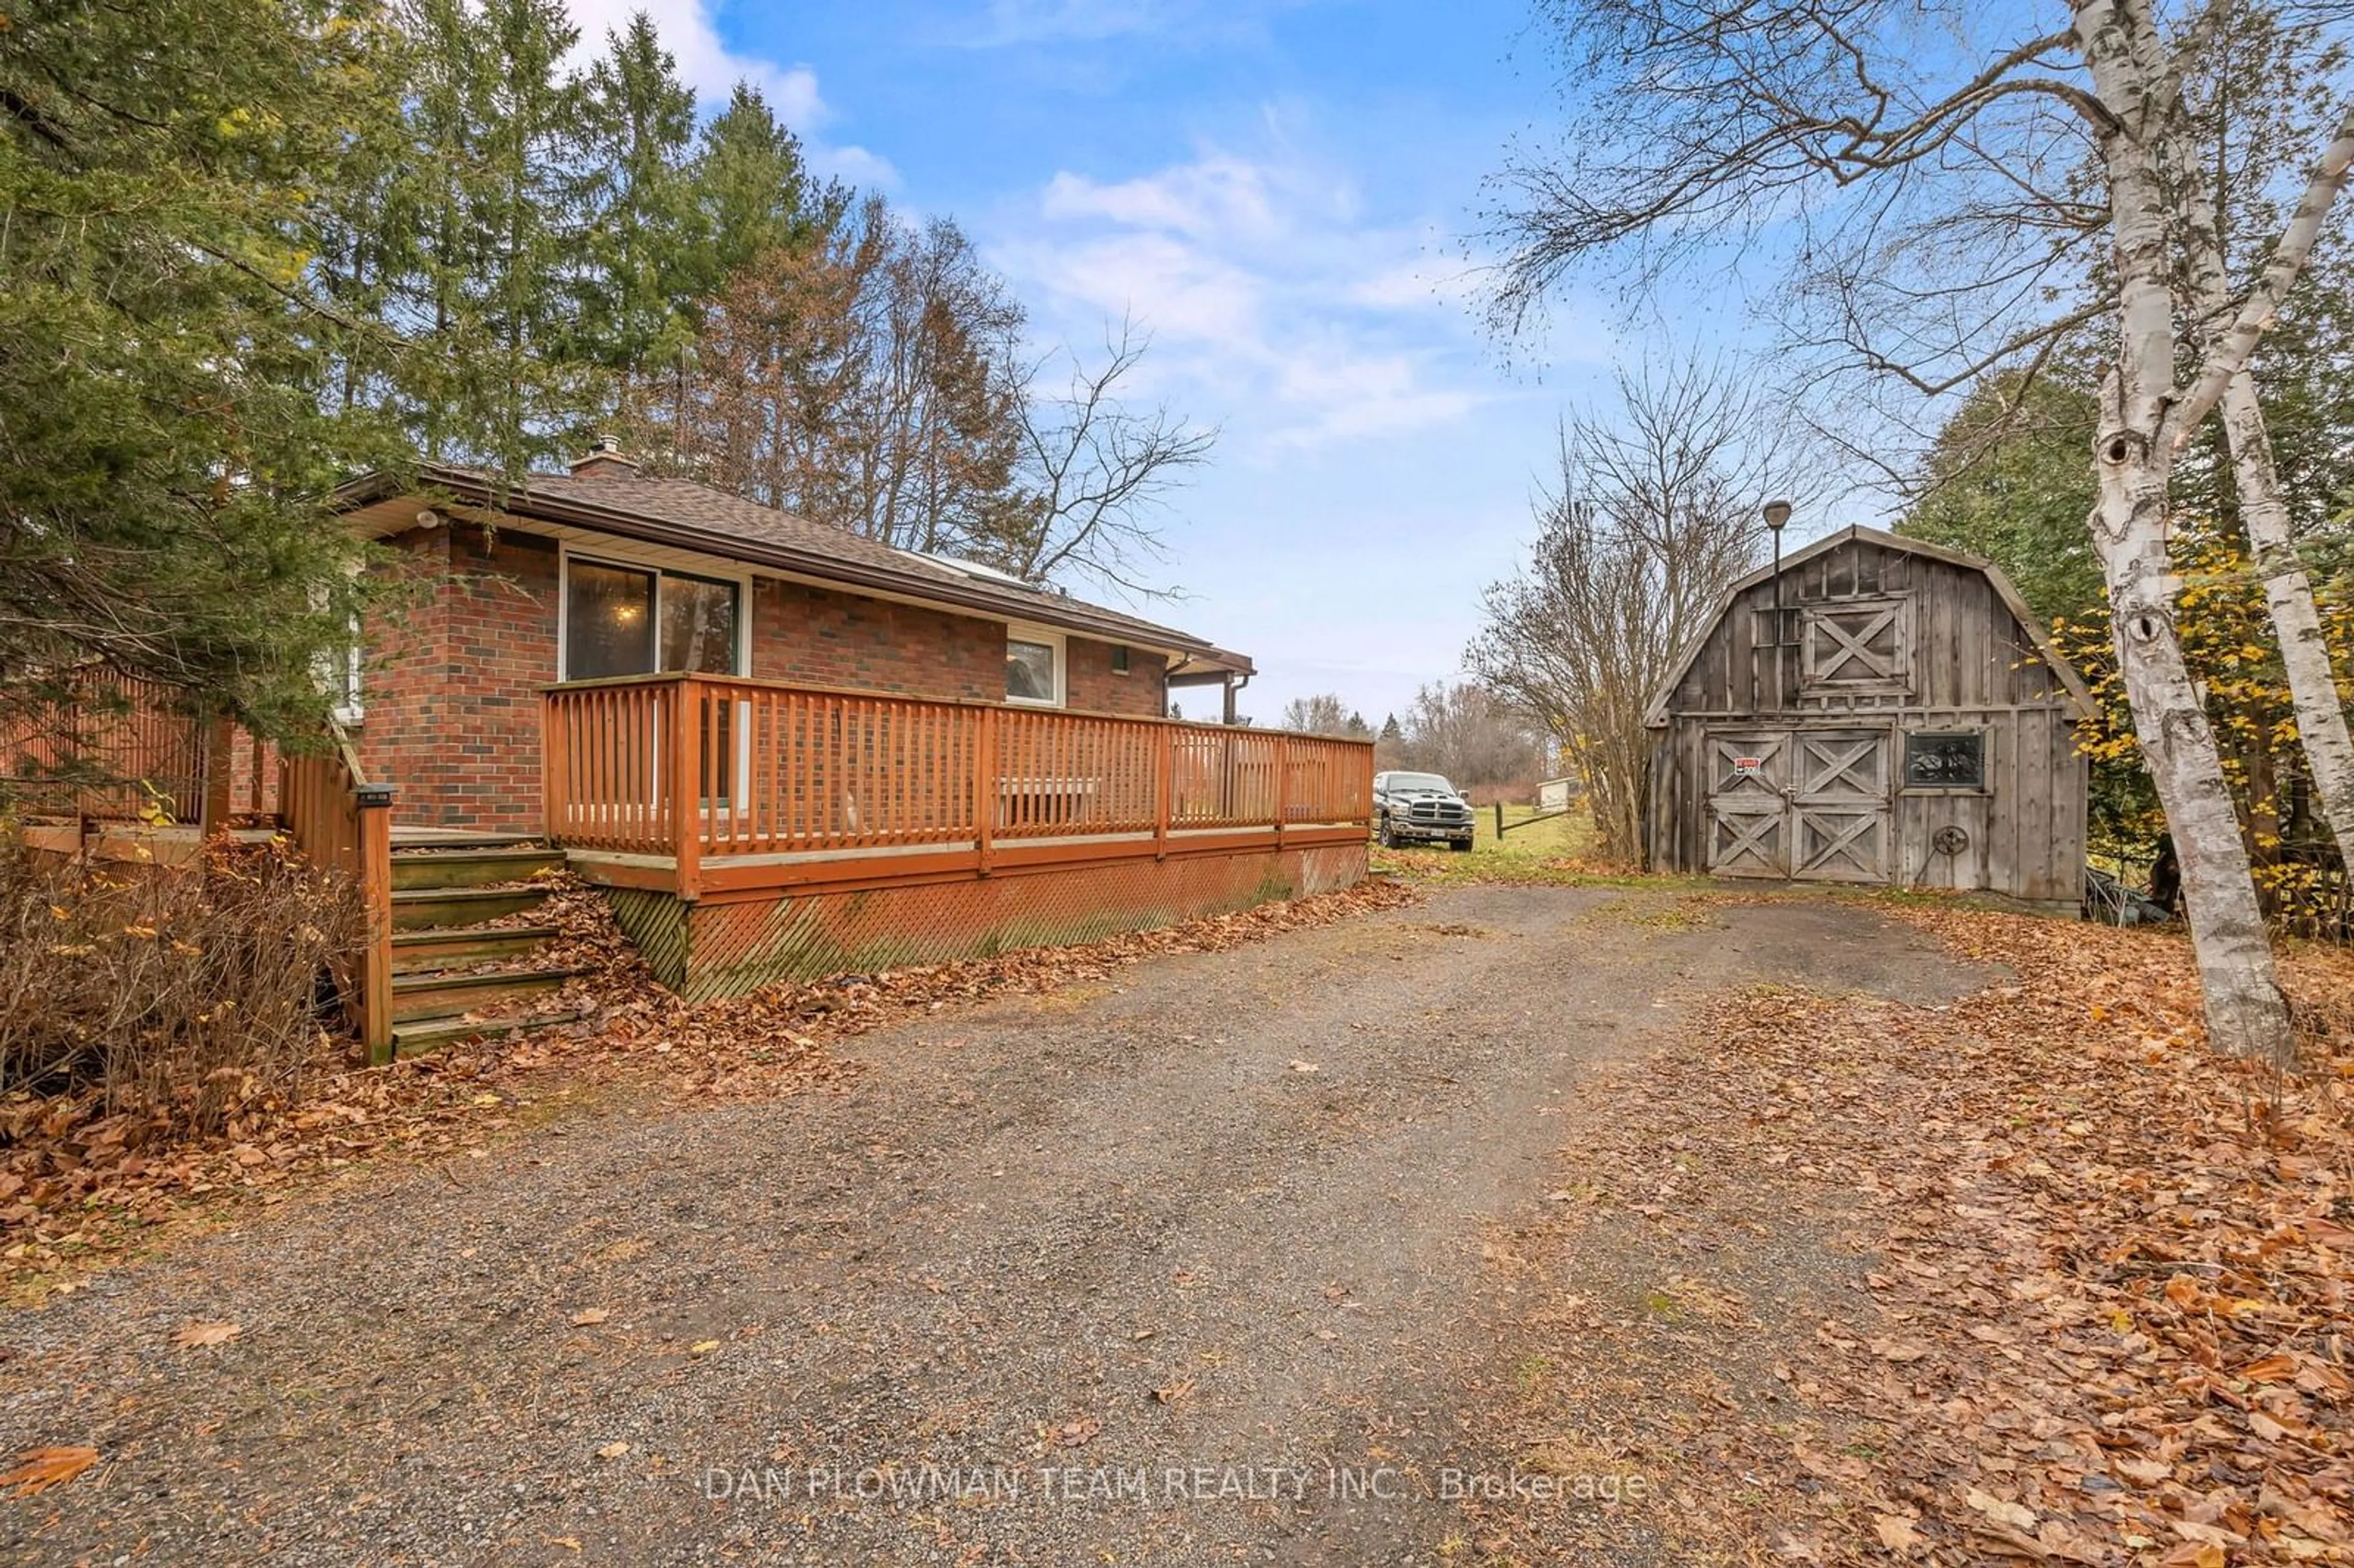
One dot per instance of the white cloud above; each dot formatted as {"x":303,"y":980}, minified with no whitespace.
{"x":708,"y":64}
{"x":1264,"y":291}
{"x":1176,"y":290}
{"x":1036,"y":21}
{"x":1215,"y":199}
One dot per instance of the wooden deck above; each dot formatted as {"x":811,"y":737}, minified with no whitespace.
{"x":707,"y":786}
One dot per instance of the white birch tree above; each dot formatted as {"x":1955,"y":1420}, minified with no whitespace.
{"x":2210,"y":302}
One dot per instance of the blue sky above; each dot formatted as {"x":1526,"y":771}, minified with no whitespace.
{"x":1279,"y":192}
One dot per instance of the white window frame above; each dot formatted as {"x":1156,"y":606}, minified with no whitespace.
{"x":1026,"y":632}
{"x":351,"y":701}
{"x":341,"y":677}
{"x":716,"y":571}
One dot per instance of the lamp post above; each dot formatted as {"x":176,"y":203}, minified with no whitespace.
{"x":1777,"y":517}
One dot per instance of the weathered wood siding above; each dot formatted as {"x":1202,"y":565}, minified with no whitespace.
{"x":1967,"y":663}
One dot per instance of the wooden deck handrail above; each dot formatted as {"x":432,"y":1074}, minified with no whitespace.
{"x":705,"y":769}
{"x":338,"y":819}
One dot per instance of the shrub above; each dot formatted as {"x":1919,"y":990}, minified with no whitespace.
{"x":178,"y":994}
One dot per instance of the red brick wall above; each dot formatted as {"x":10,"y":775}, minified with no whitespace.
{"x":452,"y":680}
{"x":827,"y":639}
{"x":1095,"y":688}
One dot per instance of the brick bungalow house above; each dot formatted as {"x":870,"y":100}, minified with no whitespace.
{"x":783,"y":751}
{"x":601,"y":573}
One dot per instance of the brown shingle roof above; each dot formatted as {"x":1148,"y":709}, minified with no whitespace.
{"x":686,"y":514}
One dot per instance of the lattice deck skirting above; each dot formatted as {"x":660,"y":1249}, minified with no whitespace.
{"x":715,"y":948}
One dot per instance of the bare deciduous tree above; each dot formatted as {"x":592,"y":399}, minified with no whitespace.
{"x":866,"y":381}
{"x":1947,"y":187}
{"x":1324,"y":714}
{"x":874,"y":380}
{"x":1094,"y":472}
{"x":1474,"y":737}
{"x":1650,"y":518}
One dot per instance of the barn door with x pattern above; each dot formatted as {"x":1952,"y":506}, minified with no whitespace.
{"x":1839,"y":806}
{"x":1749,"y":804}
{"x":1857,"y":646}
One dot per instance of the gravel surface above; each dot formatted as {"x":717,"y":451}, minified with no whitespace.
{"x":1169,"y":1270}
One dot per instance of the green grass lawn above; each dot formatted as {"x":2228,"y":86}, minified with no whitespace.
{"x":1550,"y":851}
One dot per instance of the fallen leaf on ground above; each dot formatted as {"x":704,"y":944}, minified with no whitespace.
{"x":38,"y":1469}
{"x":199,"y":1334}
{"x":589,"y":1317}
{"x":1895,"y":1533}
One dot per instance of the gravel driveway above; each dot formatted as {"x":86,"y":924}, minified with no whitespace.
{"x":1197,"y":1268}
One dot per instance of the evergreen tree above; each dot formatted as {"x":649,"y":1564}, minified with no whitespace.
{"x":2006,"y":479}
{"x":164,"y":454}
{"x":637,"y":286}
{"x":500,"y":202}
{"x":754,"y":191}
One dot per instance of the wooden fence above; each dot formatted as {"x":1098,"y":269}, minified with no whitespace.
{"x":116,"y":748}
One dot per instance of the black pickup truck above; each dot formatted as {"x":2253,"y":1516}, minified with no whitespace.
{"x":1419,"y":808}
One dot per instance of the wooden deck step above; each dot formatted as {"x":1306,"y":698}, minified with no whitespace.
{"x":405,"y":837}
{"x":417,"y":997}
{"x":470,"y":867}
{"x":446,"y":948}
{"x":420,"y":1038}
{"x":421,"y":908}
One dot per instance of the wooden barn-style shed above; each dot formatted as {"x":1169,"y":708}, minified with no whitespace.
{"x":1882,"y":710}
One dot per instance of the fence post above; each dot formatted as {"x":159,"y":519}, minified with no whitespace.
{"x":212,"y":815}
{"x":1164,"y":786}
{"x":984,"y":788}
{"x":373,"y":805}
{"x":1500,"y":822}
{"x":1282,"y":785}
{"x":686,"y":785}
{"x":550,"y":812}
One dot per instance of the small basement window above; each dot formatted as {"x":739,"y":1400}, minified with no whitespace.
{"x":1944,"y":759}
{"x":1034,"y":667}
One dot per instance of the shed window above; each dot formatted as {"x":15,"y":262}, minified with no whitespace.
{"x":1944,"y":759}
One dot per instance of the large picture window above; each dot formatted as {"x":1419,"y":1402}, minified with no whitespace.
{"x":636,"y":621}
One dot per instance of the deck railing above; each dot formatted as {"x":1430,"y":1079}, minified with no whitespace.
{"x":338,"y":819}
{"x":721,"y":774}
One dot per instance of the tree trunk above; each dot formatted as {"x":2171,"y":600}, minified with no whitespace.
{"x":2247,"y":1015}
{"x":2288,"y":595}
{"x":2134,"y":460}
{"x":2312,"y":683}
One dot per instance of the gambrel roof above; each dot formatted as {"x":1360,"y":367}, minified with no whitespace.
{"x":2081,"y":698}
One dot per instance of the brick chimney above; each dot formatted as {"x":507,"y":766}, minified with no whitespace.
{"x":605,"y":461}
